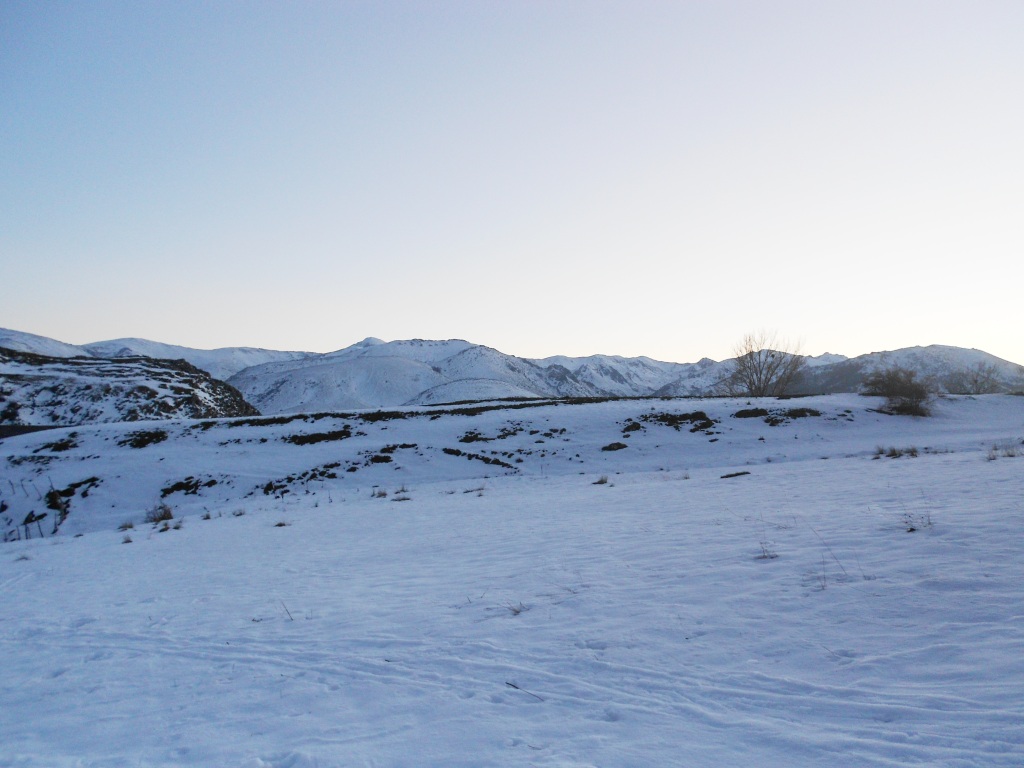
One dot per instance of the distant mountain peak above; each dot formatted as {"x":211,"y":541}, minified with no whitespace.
{"x":826,"y":358}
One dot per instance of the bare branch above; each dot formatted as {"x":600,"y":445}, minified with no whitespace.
{"x":765,"y":365}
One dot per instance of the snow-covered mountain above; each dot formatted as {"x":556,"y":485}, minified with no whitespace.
{"x":38,"y":390}
{"x":374,"y":373}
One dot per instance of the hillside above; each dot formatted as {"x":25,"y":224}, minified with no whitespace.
{"x":192,"y":464}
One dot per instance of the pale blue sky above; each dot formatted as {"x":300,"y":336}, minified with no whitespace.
{"x":542,"y":177}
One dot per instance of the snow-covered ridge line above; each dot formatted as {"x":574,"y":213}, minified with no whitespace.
{"x":219,"y":363}
{"x":378,"y":374}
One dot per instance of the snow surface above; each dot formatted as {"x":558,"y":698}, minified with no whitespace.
{"x":832,"y":607}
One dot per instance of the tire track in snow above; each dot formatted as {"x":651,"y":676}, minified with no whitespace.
{"x":721,"y":702}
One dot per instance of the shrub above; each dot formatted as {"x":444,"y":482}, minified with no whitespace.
{"x":66,"y":444}
{"x":55,"y":500}
{"x":190,"y":485}
{"x":800,"y":413}
{"x":698,"y":420}
{"x":142,"y":438}
{"x":750,"y":413}
{"x":902,"y":391}
{"x":159,"y":513}
{"x":319,"y":437}
{"x":10,"y":412}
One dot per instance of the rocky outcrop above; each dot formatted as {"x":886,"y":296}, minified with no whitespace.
{"x":38,"y":390}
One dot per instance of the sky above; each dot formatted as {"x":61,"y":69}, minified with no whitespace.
{"x":559,"y":177}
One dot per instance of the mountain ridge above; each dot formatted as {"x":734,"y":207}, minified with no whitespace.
{"x":373,"y":373}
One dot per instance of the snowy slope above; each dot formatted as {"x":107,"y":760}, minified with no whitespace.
{"x":624,"y":376}
{"x":333,"y":384}
{"x":425,"y":444}
{"x":485,"y":363}
{"x":701,"y":378}
{"x":20,"y":341}
{"x":472,"y":391}
{"x":369,"y":374}
{"x":835,"y":606}
{"x":378,"y":374}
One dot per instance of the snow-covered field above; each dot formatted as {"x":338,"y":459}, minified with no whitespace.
{"x":836,"y":606}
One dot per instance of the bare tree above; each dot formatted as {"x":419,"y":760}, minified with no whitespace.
{"x":980,"y":379}
{"x":765,"y":365}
